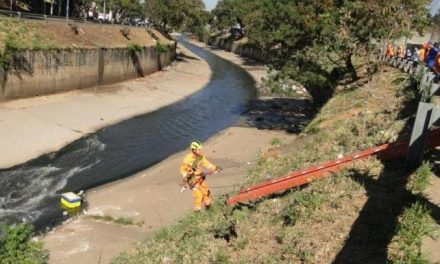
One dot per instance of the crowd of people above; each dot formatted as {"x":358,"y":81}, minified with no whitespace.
{"x":428,"y":54}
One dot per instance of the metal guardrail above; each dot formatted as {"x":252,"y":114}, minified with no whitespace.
{"x":40,"y":17}
{"x":429,"y":80}
{"x":428,"y":114}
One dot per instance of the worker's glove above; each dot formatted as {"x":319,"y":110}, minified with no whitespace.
{"x":183,"y":189}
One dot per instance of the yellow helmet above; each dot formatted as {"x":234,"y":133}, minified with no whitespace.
{"x":195,"y":145}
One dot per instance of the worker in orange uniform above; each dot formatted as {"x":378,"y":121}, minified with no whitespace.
{"x":422,"y":52}
{"x":194,"y":169}
{"x":390,"y":51}
{"x":400,"y":52}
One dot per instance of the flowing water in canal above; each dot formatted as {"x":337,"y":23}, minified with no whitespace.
{"x":31,"y":192}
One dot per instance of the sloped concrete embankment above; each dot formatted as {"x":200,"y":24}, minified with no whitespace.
{"x":239,"y":48}
{"x":33,"y":73}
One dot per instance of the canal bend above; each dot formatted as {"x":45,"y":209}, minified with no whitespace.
{"x":30,"y":192}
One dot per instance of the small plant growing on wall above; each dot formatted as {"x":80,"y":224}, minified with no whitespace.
{"x":125,"y":32}
{"x":134,"y":48}
{"x":5,"y":59}
{"x":160,"y":48}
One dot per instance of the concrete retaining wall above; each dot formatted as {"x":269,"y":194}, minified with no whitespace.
{"x":238,"y":48}
{"x":33,"y":73}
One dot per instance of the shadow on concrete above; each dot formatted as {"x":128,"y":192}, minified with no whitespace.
{"x":182,"y":57}
{"x":137,"y":64}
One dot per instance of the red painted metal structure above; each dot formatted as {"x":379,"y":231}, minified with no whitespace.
{"x":384,"y":152}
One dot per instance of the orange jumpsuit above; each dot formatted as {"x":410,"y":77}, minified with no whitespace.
{"x":193,"y":169}
{"x":423,"y":51}
{"x":389,"y":51}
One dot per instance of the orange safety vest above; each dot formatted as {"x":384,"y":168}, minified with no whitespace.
{"x":390,"y":51}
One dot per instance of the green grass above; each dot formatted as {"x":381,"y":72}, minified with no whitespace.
{"x":313,"y":127}
{"x":276,"y":142}
{"x":118,"y":220}
{"x":178,"y":242}
{"x":302,"y":204}
{"x":17,"y":35}
{"x":421,"y":179}
{"x":414,"y":224}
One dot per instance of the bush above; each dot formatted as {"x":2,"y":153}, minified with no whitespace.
{"x":17,"y":246}
{"x":202,"y":34}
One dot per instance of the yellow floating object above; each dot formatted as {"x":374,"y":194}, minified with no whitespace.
{"x":70,"y":200}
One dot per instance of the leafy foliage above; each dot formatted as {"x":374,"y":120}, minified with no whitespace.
{"x":317,"y":41}
{"x":160,"y":48}
{"x":16,"y":246}
{"x":174,"y":14}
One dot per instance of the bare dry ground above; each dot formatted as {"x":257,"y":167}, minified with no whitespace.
{"x":23,"y":34}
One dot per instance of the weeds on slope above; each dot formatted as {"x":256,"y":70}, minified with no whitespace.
{"x":415,"y":222}
{"x":344,"y":126}
{"x":261,"y":234}
{"x":420,"y":180}
{"x":17,"y":35}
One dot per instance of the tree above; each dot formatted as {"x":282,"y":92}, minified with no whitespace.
{"x":196,"y":19}
{"x":356,"y":22}
{"x":315,"y":41}
{"x":173,"y":14}
{"x":335,"y":29}
{"x":228,"y":13}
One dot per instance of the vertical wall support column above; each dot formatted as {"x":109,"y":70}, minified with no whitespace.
{"x":427,"y":114}
{"x":3,"y":74}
